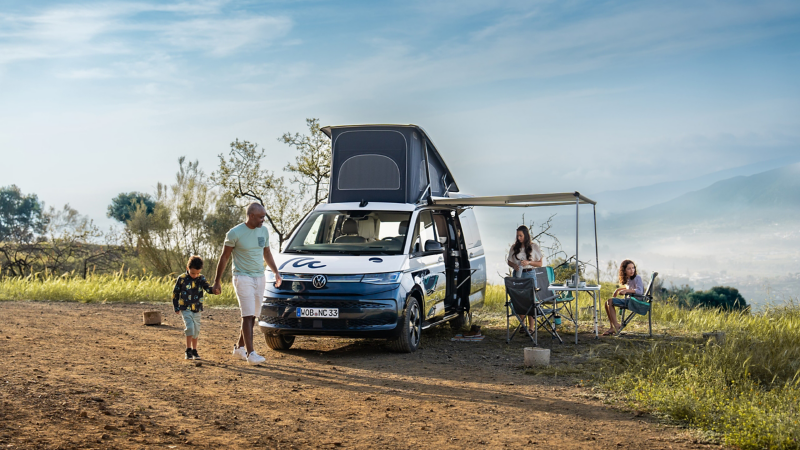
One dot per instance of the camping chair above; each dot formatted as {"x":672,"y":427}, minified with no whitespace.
{"x":638,"y":305}
{"x":546,"y":297}
{"x":521,"y":302}
{"x":551,"y":277}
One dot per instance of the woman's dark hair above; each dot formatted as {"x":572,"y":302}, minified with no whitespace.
{"x":526,"y":242}
{"x":195,"y":262}
{"x":623,"y":276}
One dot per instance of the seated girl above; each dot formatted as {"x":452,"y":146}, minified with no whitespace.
{"x":633,"y":285}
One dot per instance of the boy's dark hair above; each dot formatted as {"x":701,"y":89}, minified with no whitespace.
{"x":195,"y":262}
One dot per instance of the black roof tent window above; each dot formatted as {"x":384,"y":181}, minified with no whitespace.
{"x":369,"y":172}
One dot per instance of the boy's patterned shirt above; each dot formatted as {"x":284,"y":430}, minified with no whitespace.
{"x":188,"y":293}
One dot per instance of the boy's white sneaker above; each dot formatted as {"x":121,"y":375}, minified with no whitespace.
{"x":240,"y":353}
{"x":255,"y":358}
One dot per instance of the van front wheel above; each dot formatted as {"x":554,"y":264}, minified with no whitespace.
{"x":410,"y":329}
{"x":279,"y":341}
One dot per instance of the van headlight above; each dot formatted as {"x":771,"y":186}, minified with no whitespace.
{"x":270,"y":276}
{"x":382,"y":278}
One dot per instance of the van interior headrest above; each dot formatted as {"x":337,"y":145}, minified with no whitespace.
{"x":402,"y":229}
{"x":350,"y":227}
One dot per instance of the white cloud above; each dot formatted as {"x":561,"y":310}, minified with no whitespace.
{"x":121,"y":29}
{"x":88,"y":74}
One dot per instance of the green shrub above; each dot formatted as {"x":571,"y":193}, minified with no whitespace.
{"x":722,"y":297}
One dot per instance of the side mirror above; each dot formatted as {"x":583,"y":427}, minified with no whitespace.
{"x":433,"y":246}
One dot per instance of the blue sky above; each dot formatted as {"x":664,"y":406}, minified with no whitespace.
{"x":97,"y":98}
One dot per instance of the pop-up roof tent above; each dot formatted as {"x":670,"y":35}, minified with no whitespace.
{"x":385,"y":163}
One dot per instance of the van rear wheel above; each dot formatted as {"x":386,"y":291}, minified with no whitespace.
{"x":464,"y":320}
{"x":410,"y":330}
{"x":279,"y":341}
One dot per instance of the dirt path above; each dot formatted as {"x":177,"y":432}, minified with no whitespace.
{"x":91,"y":376}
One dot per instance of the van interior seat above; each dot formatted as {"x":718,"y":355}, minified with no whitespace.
{"x":402,"y":229}
{"x":350,"y":233}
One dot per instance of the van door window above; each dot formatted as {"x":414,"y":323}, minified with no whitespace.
{"x":423,"y":232}
{"x":441,"y":228}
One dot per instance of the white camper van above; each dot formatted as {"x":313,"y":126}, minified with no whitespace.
{"x":380,"y":259}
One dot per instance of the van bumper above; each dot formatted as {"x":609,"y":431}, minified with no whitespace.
{"x":373,"y":315}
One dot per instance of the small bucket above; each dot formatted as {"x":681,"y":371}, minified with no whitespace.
{"x":537,"y":356}
{"x":152,"y":317}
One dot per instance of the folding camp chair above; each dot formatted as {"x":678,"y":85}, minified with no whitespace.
{"x":638,"y":305}
{"x":552,"y":303}
{"x":551,"y":277}
{"x":521,"y":301}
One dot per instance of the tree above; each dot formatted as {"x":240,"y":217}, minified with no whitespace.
{"x":124,"y":205}
{"x":312,"y":167}
{"x":176,"y":226}
{"x":74,"y":243}
{"x":22,"y":224}
{"x":225,"y":216}
{"x":21,"y":216}
{"x":725,"y":298}
{"x":286,"y":203}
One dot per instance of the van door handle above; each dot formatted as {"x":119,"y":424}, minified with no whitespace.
{"x":470,"y":254}
{"x":440,"y":259}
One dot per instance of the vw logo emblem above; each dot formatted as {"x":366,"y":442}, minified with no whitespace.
{"x":319,"y":281}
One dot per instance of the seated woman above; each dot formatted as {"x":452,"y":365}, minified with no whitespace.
{"x":525,"y":254}
{"x":633,"y":285}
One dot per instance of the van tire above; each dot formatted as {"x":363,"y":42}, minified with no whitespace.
{"x":410,"y":329}
{"x":464,"y":320}
{"x":279,"y":341}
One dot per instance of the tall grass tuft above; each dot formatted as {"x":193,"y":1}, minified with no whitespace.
{"x":118,"y":287}
{"x":747,"y":389}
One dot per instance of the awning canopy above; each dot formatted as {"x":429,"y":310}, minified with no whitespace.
{"x":527,"y":200}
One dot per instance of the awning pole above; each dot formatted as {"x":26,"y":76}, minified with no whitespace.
{"x":577,"y":213}
{"x":596,"y":251}
{"x":577,"y":265}
{"x":597,"y":265}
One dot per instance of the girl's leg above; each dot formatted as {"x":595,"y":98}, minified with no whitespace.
{"x":611,"y":312}
{"x":194,"y":343}
{"x":189,"y":342}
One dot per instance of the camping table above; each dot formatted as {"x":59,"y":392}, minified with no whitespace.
{"x":593,"y":290}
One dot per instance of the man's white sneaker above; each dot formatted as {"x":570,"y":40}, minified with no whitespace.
{"x":255,"y":358}
{"x":240,"y":353}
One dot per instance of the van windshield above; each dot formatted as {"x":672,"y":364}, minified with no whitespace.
{"x":352,"y":232}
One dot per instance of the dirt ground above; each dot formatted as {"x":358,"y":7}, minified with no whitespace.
{"x":92,"y":376}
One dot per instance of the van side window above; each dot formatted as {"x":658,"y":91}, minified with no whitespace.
{"x":423,"y":232}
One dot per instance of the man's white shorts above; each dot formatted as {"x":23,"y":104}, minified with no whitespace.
{"x":249,"y":292}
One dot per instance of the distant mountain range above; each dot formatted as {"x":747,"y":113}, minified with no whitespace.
{"x":730,"y":204}
{"x":631,"y":199}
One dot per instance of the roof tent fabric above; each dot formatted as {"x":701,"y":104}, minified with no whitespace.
{"x":566,"y":198}
{"x":384,"y":163}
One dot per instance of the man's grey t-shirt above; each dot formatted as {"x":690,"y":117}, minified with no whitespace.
{"x":248,"y":249}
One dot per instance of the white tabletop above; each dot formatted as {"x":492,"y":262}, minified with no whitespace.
{"x":563,"y":287}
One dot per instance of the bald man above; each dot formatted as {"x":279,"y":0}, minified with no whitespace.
{"x":248,"y":242}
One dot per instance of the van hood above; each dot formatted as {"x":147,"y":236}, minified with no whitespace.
{"x":338,"y":264}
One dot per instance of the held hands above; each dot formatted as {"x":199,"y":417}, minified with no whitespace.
{"x":217,"y":288}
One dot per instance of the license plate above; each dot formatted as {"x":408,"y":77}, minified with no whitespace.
{"x":320,"y":313}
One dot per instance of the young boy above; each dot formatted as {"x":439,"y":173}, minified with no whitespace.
{"x":187,"y":299}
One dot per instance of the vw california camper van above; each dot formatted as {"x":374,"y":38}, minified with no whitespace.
{"x":380,"y":259}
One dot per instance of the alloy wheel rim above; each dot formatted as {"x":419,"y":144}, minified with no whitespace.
{"x":414,"y":323}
